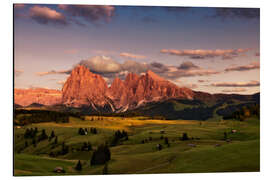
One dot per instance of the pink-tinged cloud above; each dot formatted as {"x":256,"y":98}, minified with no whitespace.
{"x":184,"y":84}
{"x":235,"y":90}
{"x":202,"y":53}
{"x":91,"y":13}
{"x":236,"y":84}
{"x":202,"y":81}
{"x":191,"y":73}
{"x":134,"y":56}
{"x":53,"y":72}
{"x":61,"y":82}
{"x":71,"y":51}
{"x":45,"y":15}
{"x":251,"y":66}
{"x":18,"y":72}
{"x":191,"y":86}
{"x":19,"y":6}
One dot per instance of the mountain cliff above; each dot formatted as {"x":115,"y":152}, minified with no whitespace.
{"x":84,"y":89}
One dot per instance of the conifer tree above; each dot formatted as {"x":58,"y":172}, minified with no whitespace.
{"x":78,"y":166}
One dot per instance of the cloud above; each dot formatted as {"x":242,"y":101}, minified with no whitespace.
{"x":129,"y":55}
{"x":90,"y":13}
{"x":188,"y":65}
{"x":203,"y":81}
{"x":135,"y":67}
{"x":102,"y":65}
{"x":202,"y":53}
{"x":237,"y":13}
{"x":251,"y":66}
{"x":53,"y":72}
{"x":158,"y":67}
{"x":188,"y":69}
{"x":19,"y":6}
{"x":61,"y":82}
{"x":236,"y":84}
{"x":45,"y":15}
{"x":71,"y":51}
{"x":110,"y":68}
{"x":234,"y":90}
{"x":190,"y":86}
{"x":191,"y":73}
{"x":183,"y":84}
{"x":18,"y":72}
{"x":18,"y":11}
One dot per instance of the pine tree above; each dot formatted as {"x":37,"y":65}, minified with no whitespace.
{"x":52,"y":134}
{"x":56,"y":140}
{"x":166,"y":140}
{"x":89,"y":146}
{"x":78,"y":166}
{"x":34,"y":142}
{"x":43,"y":135}
{"x":225,"y":136}
{"x":105,"y":169}
{"x":25,"y":144}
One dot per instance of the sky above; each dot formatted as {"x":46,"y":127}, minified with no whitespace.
{"x":216,"y":50}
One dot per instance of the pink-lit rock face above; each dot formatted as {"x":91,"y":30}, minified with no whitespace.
{"x":136,"y":90}
{"x":25,"y":97}
{"x":84,"y":88}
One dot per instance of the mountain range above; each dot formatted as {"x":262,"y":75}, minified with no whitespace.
{"x":87,"y":90}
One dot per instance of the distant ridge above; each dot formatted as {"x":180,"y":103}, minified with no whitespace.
{"x":87,"y":90}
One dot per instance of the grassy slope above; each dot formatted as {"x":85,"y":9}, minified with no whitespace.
{"x":242,"y":154}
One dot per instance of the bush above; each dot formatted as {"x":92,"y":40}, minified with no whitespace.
{"x":185,"y":137}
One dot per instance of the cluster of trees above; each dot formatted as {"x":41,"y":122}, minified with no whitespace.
{"x":85,"y":131}
{"x":33,"y":135}
{"x":30,"y":133}
{"x":38,"y":116}
{"x":119,"y":135}
{"x":101,"y":155}
{"x":240,"y":112}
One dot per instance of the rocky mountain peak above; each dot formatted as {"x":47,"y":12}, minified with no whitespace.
{"x":154,"y":76}
{"x":84,"y":88}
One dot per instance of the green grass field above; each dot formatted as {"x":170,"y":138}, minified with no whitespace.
{"x":241,"y":154}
